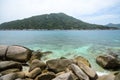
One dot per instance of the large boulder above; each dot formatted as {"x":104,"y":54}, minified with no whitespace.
{"x":89,"y":71}
{"x":37,"y":63}
{"x":58,"y":65}
{"x":65,"y":76}
{"x":4,"y":65}
{"x":3,"y":51}
{"x":46,"y":76}
{"x":18,"y":53}
{"x":82,"y":60}
{"x":78,"y":72}
{"x":108,"y":62}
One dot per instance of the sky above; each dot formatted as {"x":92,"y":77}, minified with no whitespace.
{"x":91,"y":11}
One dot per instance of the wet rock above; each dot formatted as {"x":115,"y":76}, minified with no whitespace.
{"x":34,"y":73}
{"x":18,"y":53}
{"x":89,"y":71}
{"x":37,"y":63}
{"x":4,"y":65}
{"x":65,"y":76}
{"x":47,"y":52}
{"x":46,"y":76}
{"x":58,"y":65}
{"x":107,"y":77}
{"x":108,"y":62}
{"x":82,"y":60}
{"x":3,"y":50}
{"x":78,"y":72}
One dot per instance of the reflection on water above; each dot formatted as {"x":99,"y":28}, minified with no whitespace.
{"x":67,"y":43}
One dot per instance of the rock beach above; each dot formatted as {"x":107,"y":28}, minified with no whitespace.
{"x":79,"y":68}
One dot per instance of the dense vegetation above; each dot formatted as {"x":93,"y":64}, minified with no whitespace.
{"x":113,"y":25}
{"x":50,"y":21}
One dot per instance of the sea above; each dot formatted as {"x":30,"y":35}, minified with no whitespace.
{"x":66,"y":43}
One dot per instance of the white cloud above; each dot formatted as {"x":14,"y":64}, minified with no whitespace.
{"x":16,"y":9}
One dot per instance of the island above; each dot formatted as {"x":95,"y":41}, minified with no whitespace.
{"x":51,"y":21}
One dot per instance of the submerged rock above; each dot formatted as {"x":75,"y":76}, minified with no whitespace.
{"x":18,"y":53}
{"x":108,"y":62}
{"x":58,"y":65}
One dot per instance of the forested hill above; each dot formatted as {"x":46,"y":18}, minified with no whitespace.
{"x":50,"y":22}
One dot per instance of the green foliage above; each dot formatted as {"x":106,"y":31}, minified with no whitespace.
{"x":50,"y":22}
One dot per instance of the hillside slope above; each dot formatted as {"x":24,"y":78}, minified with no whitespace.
{"x":50,"y":22}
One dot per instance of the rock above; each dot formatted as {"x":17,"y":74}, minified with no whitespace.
{"x":34,"y":73}
{"x":82,"y":60}
{"x":89,"y":71}
{"x":11,"y":76}
{"x":3,"y":50}
{"x":37,"y":63}
{"x":108,"y":62}
{"x":18,"y":53}
{"x":65,"y":76}
{"x":47,"y":52}
{"x":117,"y":77}
{"x":4,"y":65}
{"x":0,"y":74}
{"x":46,"y":76}
{"x":107,"y":77}
{"x":20,"y":75}
{"x":78,"y":72}
{"x":58,"y":65}
{"x":19,"y":79}
{"x":23,"y":79}
{"x":35,"y":55}
{"x":9,"y":71}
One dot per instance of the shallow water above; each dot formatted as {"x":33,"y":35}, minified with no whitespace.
{"x":66,"y":43}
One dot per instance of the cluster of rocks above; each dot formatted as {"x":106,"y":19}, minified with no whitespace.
{"x":13,"y":60}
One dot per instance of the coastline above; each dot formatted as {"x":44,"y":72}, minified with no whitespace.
{"x":19,"y":60}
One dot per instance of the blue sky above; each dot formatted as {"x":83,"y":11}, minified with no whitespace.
{"x":92,"y":11}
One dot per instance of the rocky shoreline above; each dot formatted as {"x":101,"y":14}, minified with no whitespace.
{"x":20,"y":63}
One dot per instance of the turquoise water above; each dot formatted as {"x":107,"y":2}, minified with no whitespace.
{"x":67,"y":43}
